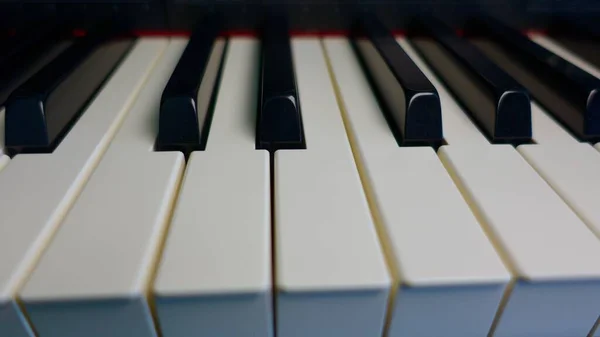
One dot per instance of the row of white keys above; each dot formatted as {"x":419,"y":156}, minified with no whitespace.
{"x":568,"y":166}
{"x":37,"y":190}
{"x":331,"y":275}
{"x":94,"y":278}
{"x":448,"y":280}
{"x":215,"y":275}
{"x":516,"y":207}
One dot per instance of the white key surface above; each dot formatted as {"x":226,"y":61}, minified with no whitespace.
{"x":215,"y":275}
{"x":549,"y":250}
{"x":572,"y":171}
{"x":457,"y":126}
{"x":331,"y":275}
{"x":4,"y":160}
{"x":52,"y":182}
{"x":440,"y":256}
{"x":95,"y":273}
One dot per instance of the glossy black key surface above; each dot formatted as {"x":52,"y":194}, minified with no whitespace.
{"x":499,"y":105}
{"x":41,"y":110}
{"x":279,"y":121}
{"x":566,"y":91}
{"x":24,"y":54}
{"x":185,"y":102}
{"x":409,"y":98}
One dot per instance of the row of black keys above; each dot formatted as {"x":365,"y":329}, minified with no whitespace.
{"x":50,"y":83}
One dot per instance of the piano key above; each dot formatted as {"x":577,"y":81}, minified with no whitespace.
{"x":52,"y":182}
{"x":579,"y":36}
{"x":551,"y":253}
{"x":551,"y":45}
{"x":575,"y":59}
{"x":279,"y":120}
{"x":446,"y":273}
{"x":222,"y":222}
{"x":186,"y":99}
{"x":2,"y":147}
{"x":32,"y":54}
{"x":496,"y":101}
{"x":331,"y":277}
{"x":117,"y":225}
{"x":458,"y":127}
{"x":460,"y":130}
{"x":565,"y":90}
{"x":545,"y":130}
{"x":410,"y":98}
{"x":4,"y":159}
{"x":41,"y":110}
{"x":572,"y":172}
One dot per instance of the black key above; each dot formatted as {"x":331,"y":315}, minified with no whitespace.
{"x":498,"y":104}
{"x":41,"y":111}
{"x":25,"y":54}
{"x":279,"y":121}
{"x":581,"y":37}
{"x":563,"y":89}
{"x":411,"y":102}
{"x":184,"y":109}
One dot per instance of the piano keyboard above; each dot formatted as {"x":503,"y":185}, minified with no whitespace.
{"x":369,"y":185}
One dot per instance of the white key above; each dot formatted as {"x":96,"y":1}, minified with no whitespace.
{"x":37,"y":190}
{"x":457,"y":126}
{"x":330,"y":271}
{"x":116,"y":228}
{"x":4,"y":159}
{"x":447,"y":275}
{"x":215,"y":274}
{"x":551,"y":253}
{"x":572,"y":171}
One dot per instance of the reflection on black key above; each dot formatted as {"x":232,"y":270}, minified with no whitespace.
{"x":23,"y":55}
{"x":409,"y":98}
{"x":279,"y":122}
{"x":565,"y":90}
{"x":41,"y":111}
{"x":497,"y":102}
{"x":184,"y":109}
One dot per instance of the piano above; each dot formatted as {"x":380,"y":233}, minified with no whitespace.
{"x":299,"y":169}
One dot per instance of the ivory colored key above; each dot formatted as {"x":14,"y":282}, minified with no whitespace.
{"x":4,"y":159}
{"x":331,"y":277}
{"x":116,"y":228}
{"x":458,"y":128}
{"x":572,"y":171}
{"x":215,"y":275}
{"x":552,"y":254}
{"x":37,"y":190}
{"x":447,"y":276}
